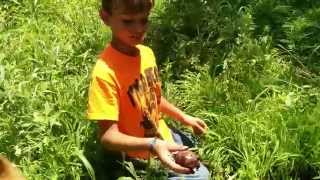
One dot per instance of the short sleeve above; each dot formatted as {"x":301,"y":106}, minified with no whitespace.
{"x":103,"y":102}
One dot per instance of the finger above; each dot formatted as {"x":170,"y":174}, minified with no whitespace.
{"x":168,"y":160}
{"x":203,"y":126}
{"x":202,"y":123}
{"x":176,"y":147}
{"x":199,"y":129}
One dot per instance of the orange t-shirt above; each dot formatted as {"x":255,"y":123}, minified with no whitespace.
{"x":127,"y":89}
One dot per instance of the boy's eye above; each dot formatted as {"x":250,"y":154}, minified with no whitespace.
{"x":145,"y":21}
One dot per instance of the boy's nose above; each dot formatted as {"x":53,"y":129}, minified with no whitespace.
{"x":139,"y":28}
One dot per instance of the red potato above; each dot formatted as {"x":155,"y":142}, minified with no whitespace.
{"x":187,"y":159}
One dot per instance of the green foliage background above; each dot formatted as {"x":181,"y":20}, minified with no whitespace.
{"x":249,"y":68}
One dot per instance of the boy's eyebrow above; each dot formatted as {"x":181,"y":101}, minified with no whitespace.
{"x":128,"y":16}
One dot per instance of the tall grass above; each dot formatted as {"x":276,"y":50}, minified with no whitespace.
{"x":273,"y":134}
{"x":248,"y":68}
{"x":48,"y":48}
{"x":260,"y":104}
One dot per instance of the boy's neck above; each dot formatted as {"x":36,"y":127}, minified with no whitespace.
{"x":128,"y":50}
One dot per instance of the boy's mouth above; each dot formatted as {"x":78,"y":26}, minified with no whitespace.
{"x":137,"y":37}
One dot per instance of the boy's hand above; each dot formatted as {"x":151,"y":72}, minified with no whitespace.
{"x":163,"y":150}
{"x":198,"y":125}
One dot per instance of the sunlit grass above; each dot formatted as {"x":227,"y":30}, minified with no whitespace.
{"x":263,"y":121}
{"x":48,"y":49}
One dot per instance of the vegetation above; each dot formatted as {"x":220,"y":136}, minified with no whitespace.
{"x":250,"y":69}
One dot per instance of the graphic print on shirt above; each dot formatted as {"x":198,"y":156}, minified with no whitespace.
{"x":145,"y":94}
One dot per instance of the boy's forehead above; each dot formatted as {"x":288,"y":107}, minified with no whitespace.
{"x":131,"y":6}
{"x":126,"y":12}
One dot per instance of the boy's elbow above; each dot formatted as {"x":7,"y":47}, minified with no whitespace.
{"x":108,"y":139}
{"x":106,"y":143}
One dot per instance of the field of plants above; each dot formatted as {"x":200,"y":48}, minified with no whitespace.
{"x":249,"y":68}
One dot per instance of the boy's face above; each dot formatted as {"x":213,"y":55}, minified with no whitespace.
{"x":128,"y":29}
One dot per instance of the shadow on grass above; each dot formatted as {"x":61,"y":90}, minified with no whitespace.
{"x":106,"y":165}
{"x":109,"y":165}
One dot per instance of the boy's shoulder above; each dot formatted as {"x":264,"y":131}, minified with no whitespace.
{"x":104,"y":65}
{"x":145,"y":49}
{"x":146,"y":52}
{"x":102,"y":70}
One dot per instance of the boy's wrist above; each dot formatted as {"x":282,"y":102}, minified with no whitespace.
{"x":184,"y":118}
{"x":152,"y":144}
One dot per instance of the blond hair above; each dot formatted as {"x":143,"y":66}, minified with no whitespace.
{"x":129,"y":6}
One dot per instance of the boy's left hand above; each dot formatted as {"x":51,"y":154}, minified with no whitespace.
{"x":198,"y":125}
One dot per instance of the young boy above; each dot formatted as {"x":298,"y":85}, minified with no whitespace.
{"x":125,"y":94}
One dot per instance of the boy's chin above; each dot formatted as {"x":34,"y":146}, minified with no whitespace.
{"x":135,"y":41}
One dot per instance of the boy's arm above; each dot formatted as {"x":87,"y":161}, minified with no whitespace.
{"x":198,"y":125}
{"x":113,"y":139}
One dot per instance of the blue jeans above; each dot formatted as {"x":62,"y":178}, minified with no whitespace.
{"x":200,"y":174}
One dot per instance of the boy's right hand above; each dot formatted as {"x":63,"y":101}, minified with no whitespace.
{"x":163,"y":150}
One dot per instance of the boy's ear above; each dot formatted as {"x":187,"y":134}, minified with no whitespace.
{"x":104,"y":15}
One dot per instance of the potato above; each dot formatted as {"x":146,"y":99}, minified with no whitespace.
{"x":187,"y":159}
